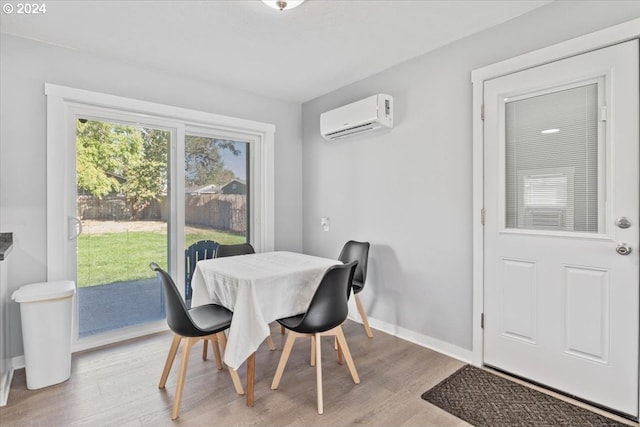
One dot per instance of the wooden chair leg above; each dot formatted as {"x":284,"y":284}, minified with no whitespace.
{"x":282,"y":331}
{"x":222,"y":339}
{"x":342,"y":341}
{"x":170,"y":358}
{"x":216,"y":351}
{"x":316,"y":358}
{"x":363,"y":316}
{"x":319,"y":374}
{"x":188,"y":343}
{"x":270,"y":343}
{"x":286,"y":351}
{"x":339,"y":351}
{"x":236,"y":380}
{"x":204,"y":349}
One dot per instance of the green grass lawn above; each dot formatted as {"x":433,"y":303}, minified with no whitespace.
{"x":125,"y":256}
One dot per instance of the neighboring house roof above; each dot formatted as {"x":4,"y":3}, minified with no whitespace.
{"x":215,"y":189}
{"x":235,"y":186}
{"x":241,"y":181}
{"x":207,"y":189}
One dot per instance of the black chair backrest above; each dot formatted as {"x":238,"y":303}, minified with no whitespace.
{"x":177,"y":315}
{"x":356,"y":251}
{"x":204,"y":249}
{"x":329,"y":306}
{"x":233,"y":250}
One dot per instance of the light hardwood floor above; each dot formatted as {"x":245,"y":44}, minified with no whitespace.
{"x":117,"y":385}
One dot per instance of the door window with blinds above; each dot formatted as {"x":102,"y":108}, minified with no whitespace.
{"x":553,"y":160}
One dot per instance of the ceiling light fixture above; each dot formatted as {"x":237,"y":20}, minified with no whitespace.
{"x":547,"y":131}
{"x":283,"y":5}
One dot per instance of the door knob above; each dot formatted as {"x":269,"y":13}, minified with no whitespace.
{"x":623,"y":249}
{"x":623,"y":222}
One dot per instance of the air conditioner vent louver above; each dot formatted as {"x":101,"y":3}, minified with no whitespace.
{"x":369,"y":114}
{"x":356,"y":129}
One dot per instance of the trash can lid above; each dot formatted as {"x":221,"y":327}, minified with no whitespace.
{"x":44,"y":291}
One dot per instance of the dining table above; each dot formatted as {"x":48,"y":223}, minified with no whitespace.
{"x":259,"y":289}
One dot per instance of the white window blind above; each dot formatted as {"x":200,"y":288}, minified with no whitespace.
{"x":551,"y":155}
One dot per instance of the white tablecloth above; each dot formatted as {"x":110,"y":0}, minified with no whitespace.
{"x":259,"y":289}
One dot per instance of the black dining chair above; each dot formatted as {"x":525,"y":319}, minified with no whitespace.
{"x":358,"y":251}
{"x":204,"y":322}
{"x":327,"y":311}
{"x":235,"y":250}
{"x":203,"y":249}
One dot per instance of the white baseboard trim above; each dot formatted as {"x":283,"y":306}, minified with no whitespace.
{"x":426,"y":341}
{"x":5,"y":385}
{"x":18,"y":362}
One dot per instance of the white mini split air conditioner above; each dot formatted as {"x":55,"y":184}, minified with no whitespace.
{"x":372,"y":113}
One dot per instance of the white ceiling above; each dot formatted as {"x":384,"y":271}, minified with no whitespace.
{"x":294,"y":55}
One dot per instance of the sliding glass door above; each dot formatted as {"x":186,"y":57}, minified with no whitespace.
{"x":216,"y":197}
{"x":122,"y":209}
{"x":130,"y":182}
{"x":217,"y":191}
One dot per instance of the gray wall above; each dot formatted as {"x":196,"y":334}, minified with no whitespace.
{"x":409,"y":191}
{"x":24,"y":68}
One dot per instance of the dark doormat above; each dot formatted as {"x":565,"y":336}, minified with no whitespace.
{"x":484,"y":399}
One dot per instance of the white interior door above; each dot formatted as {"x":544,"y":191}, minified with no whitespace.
{"x":561,"y":281}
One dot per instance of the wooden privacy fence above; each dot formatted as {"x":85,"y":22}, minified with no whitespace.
{"x":219,"y":211}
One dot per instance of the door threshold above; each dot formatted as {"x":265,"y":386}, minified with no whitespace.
{"x":118,"y":335}
{"x":619,"y":416}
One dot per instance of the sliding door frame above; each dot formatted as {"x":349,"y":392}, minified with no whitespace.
{"x":65,"y":105}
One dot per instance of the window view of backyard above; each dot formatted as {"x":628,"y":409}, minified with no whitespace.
{"x":123,"y":200}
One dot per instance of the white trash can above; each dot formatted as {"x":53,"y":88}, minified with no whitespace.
{"x":46,"y":310}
